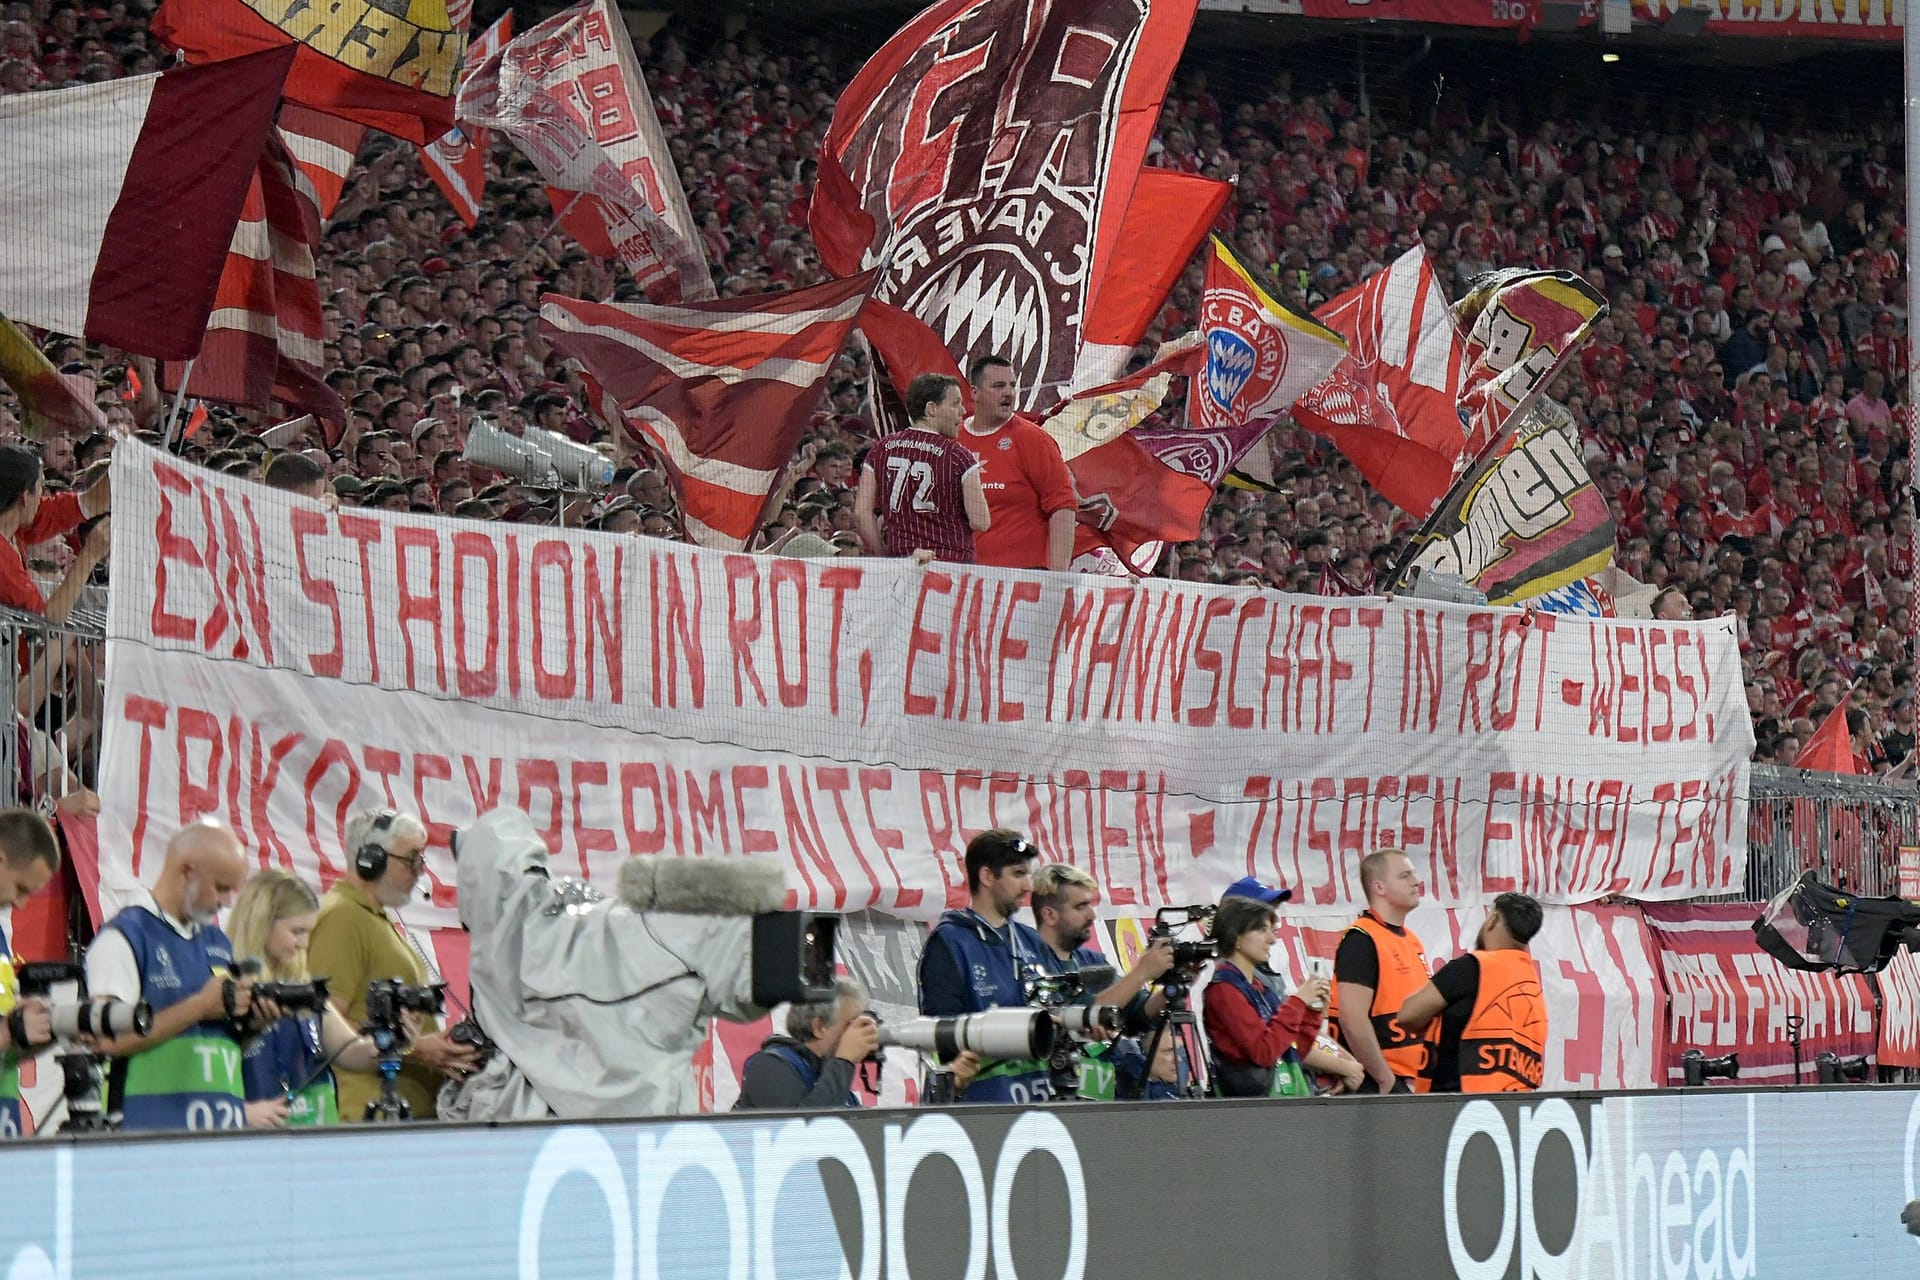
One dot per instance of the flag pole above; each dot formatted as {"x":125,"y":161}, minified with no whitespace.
{"x":179,"y":398}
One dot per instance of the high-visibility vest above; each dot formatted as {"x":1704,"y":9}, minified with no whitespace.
{"x":1403,"y":971}
{"x":1502,"y":1047}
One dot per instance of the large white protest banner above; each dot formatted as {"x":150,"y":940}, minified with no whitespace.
{"x":281,"y":666}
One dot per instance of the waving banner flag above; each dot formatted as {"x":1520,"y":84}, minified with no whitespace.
{"x":324,"y":148}
{"x":1520,"y":328}
{"x":570,"y":95}
{"x":721,"y":390}
{"x":50,"y":401}
{"x":1256,"y":357}
{"x":1165,"y":222}
{"x":1390,"y":406}
{"x":265,"y":334}
{"x":990,"y":150}
{"x":388,"y":66}
{"x":457,"y":163}
{"x":1525,"y":521}
{"x":119,"y":199}
{"x":1261,"y":355}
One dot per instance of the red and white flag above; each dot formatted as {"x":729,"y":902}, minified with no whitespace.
{"x":721,"y":390}
{"x":570,"y":94}
{"x":324,"y":147}
{"x":119,"y":199}
{"x":1520,"y":327}
{"x":1392,"y":405}
{"x":990,"y":151}
{"x":457,"y":162}
{"x":264,"y":336}
{"x":391,"y":68}
{"x":1165,"y":222}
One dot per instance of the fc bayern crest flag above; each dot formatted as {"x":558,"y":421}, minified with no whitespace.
{"x":1261,"y":356}
{"x":991,"y":150}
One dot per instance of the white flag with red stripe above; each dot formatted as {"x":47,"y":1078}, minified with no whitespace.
{"x":1392,"y":405}
{"x":721,"y":390}
{"x":570,"y":94}
{"x":324,"y":147}
{"x":118,"y":199}
{"x":264,"y":339}
{"x":457,"y":161}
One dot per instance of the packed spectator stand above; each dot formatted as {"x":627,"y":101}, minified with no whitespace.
{"x":1743,"y":405}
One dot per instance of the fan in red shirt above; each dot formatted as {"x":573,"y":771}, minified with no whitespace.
{"x":1029,"y":489}
{"x":926,"y":485}
{"x":28,"y":517}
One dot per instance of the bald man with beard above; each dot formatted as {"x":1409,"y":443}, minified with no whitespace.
{"x":167,"y":949}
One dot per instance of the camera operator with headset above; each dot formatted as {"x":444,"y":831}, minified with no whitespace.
{"x":29,"y":857}
{"x":166,"y":949}
{"x":814,"y":1064}
{"x":289,"y":1067}
{"x":357,"y":939}
{"x":1063,"y":913}
{"x":974,"y":959}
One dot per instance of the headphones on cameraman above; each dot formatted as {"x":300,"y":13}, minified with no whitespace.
{"x":370,"y":860}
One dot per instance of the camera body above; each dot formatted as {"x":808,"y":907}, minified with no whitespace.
{"x":294,"y":997}
{"x":388,"y":998}
{"x":1697,"y":1068}
{"x":1190,"y":955}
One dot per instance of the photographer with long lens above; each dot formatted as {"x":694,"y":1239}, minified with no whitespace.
{"x":976,"y":957}
{"x":357,"y":940}
{"x":167,"y":950}
{"x":1063,"y":900}
{"x":1258,"y":1039}
{"x":289,"y":1067}
{"x":29,"y":858}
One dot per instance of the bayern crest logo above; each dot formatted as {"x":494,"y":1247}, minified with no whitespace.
{"x":1245,"y":357}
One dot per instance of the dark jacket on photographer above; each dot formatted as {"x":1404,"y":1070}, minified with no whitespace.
{"x":1256,"y":1036}
{"x":969,"y":967}
{"x":287,"y":1061}
{"x":785,"y":1075}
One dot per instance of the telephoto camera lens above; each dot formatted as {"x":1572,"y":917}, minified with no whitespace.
{"x":101,"y":1019}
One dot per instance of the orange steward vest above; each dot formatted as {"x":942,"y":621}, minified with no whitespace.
{"x":1403,"y":971}
{"x":1502,"y":1047}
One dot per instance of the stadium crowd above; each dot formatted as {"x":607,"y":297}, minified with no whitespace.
{"x":1743,"y":405}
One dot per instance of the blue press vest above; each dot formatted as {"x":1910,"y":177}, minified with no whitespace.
{"x":809,"y":1072}
{"x":993,"y":982}
{"x":285,"y":1061}
{"x":193,"y":1081}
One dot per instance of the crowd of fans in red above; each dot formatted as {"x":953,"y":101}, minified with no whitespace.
{"x":1743,"y":405}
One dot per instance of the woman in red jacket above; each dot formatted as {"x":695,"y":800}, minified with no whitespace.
{"x":1251,"y":1029}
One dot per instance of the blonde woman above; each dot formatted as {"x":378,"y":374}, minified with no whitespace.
{"x":288,"y":1067}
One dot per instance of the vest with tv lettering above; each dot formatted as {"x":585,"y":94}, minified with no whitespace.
{"x":992,"y":965}
{"x":1403,"y":971}
{"x":194,"y":1080}
{"x":1504,"y":1044}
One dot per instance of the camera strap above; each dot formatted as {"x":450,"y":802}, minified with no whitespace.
{"x":17,"y":1031}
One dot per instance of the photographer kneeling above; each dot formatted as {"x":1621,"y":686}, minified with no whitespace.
{"x":1258,"y":1039}
{"x":814,"y":1064}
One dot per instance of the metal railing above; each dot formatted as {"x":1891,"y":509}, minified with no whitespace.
{"x":53,"y":681}
{"x":1847,"y":829}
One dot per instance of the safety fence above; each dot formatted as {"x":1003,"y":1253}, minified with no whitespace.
{"x":1850,"y":830}
{"x":53,"y":686}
